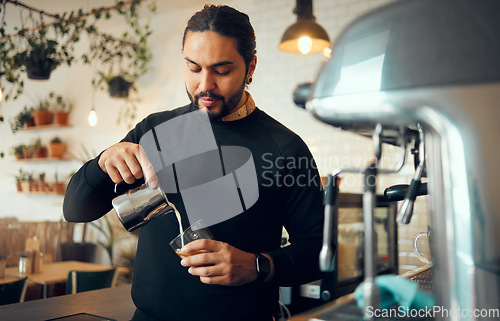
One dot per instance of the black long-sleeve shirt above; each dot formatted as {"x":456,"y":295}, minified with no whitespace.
{"x":290,"y":195}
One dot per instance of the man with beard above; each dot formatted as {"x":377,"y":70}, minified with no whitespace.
{"x":237,"y":276}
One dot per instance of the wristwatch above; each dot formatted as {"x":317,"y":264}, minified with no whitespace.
{"x":263,"y":265}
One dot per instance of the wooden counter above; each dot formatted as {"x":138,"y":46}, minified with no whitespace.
{"x":114,"y":303}
{"x":344,"y":308}
{"x":307,"y":316}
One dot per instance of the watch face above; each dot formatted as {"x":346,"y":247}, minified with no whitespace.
{"x":263,"y":264}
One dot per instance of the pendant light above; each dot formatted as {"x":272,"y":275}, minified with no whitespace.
{"x":92,"y":117}
{"x":305,"y":36}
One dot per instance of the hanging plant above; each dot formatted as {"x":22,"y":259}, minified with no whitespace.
{"x":33,"y":51}
{"x":122,"y":61}
{"x":126,"y":57}
{"x":118,"y":87}
{"x":41,"y":56}
{"x":26,"y":49}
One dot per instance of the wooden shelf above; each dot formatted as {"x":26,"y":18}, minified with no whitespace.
{"x":45,"y":127}
{"x":43,"y":160}
{"x":41,"y":193}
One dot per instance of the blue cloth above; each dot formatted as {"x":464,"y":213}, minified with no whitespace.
{"x":397,"y":290}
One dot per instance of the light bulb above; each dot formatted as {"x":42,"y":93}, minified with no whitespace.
{"x":92,"y":117}
{"x":305,"y":45}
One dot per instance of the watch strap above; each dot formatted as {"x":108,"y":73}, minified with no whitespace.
{"x":263,"y":266}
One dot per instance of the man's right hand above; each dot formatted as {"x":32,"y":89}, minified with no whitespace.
{"x":127,"y":162}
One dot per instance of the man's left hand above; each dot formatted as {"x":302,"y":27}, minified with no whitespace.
{"x":222,"y":263}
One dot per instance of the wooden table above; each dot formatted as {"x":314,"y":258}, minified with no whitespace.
{"x":8,"y":279}
{"x":57,"y":272}
{"x":114,"y":303}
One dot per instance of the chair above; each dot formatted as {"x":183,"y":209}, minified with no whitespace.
{"x":81,"y":281}
{"x":13,"y":292}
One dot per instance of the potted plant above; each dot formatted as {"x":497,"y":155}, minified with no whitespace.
{"x":123,"y":61}
{"x":22,"y":176}
{"x":39,"y":150}
{"x":111,"y":233}
{"x":58,"y":187}
{"x":118,"y":87}
{"x":56,"y":148}
{"x":126,"y":258}
{"x":41,"y":114}
{"x":60,"y":108}
{"x":27,"y":183}
{"x":42,"y":184}
{"x":18,"y":151}
{"x":30,"y":49}
{"x":77,"y":251}
{"x":23,"y":119}
{"x":41,"y":55}
{"x":19,"y":179}
{"x":28,"y":152}
{"x":35,"y":186}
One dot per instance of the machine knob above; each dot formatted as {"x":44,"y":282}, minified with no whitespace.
{"x":326,"y":295}
{"x":301,"y":94}
{"x":398,"y":192}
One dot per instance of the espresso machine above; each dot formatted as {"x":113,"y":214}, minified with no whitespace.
{"x":426,"y":72}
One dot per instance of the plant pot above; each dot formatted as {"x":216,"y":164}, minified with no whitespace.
{"x":19,"y":187}
{"x":58,"y":188}
{"x":19,"y":155}
{"x":40,"y":152}
{"x":30,"y":123}
{"x":27,"y":154}
{"x":26,"y":186}
{"x":43,"y":187}
{"x":85,"y":252}
{"x":57,"y":150}
{"x":61,"y":118}
{"x":42,"y":117}
{"x":46,"y":187}
{"x":34,"y":187}
{"x":119,"y":87}
{"x":40,"y":70}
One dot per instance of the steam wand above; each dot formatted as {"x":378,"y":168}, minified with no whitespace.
{"x":371,"y":293}
{"x":406,"y":210}
{"x":326,"y":256}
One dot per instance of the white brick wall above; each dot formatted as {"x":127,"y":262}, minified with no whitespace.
{"x":279,"y":73}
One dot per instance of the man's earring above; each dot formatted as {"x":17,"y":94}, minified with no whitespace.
{"x":249,"y":80}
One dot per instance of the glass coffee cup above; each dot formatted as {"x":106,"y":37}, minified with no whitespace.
{"x":196,"y":231}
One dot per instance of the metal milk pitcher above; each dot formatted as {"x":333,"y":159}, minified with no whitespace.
{"x":139,"y":205}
